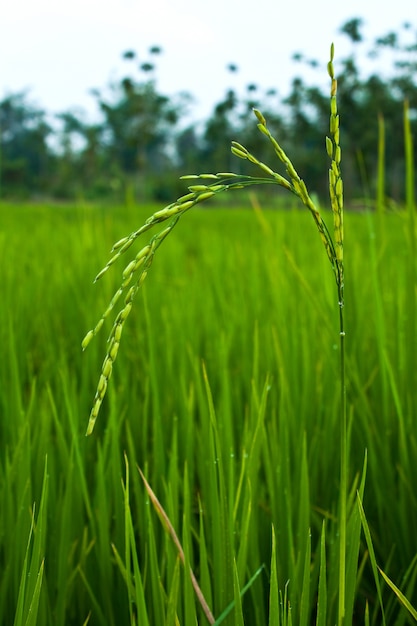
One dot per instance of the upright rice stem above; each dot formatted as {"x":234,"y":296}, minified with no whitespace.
{"x":343,"y":465}
{"x":336,"y":198}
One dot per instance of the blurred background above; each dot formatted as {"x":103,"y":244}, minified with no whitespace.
{"x":117,"y":99}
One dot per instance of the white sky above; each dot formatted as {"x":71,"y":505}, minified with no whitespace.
{"x":61,"y":49}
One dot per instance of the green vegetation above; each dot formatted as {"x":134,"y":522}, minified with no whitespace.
{"x":279,"y":464}
{"x":242,"y":293}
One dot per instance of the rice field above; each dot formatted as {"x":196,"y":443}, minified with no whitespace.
{"x":226,"y":395}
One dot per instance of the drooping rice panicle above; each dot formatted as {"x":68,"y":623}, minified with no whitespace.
{"x":136,"y":270}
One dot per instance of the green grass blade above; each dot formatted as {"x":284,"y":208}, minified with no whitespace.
{"x":237,"y":599}
{"x":274,"y":614}
{"x":123,"y":570}
{"x":32,"y":574}
{"x":171,"y":615}
{"x":353,"y":546}
{"x":220,"y":513}
{"x":305,"y":590}
{"x":322,"y":591}
{"x":371,"y":556}
{"x":171,"y":531}
{"x":96,"y":604}
{"x":404,"y":601}
{"x":205,"y":578}
{"x":128,"y":547}
{"x":133,"y":580}
{"x":242,"y":592}
{"x":367,"y":614}
{"x":18,"y":620}
{"x":32,"y":617}
{"x":191,"y":588}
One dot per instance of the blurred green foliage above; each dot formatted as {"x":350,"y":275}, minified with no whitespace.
{"x":143,"y":140}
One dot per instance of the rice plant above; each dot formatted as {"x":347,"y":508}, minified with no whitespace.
{"x":135,"y":273}
{"x":227,"y":397}
{"x":210,"y":185}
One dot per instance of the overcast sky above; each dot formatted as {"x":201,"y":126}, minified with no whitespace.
{"x":59,"y":50}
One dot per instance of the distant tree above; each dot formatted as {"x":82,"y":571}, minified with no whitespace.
{"x":188,"y":146}
{"x":220,"y":130}
{"x":142,"y":138}
{"x":351,"y":28}
{"x":362,"y":99}
{"x":81,"y":169}
{"x":140,"y":122}
{"x":129,"y":55}
{"x":25,"y":156}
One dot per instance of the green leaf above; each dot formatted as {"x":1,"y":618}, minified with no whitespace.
{"x":404,"y":601}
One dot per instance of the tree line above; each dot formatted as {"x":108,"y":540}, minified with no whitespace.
{"x":141,"y":142}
